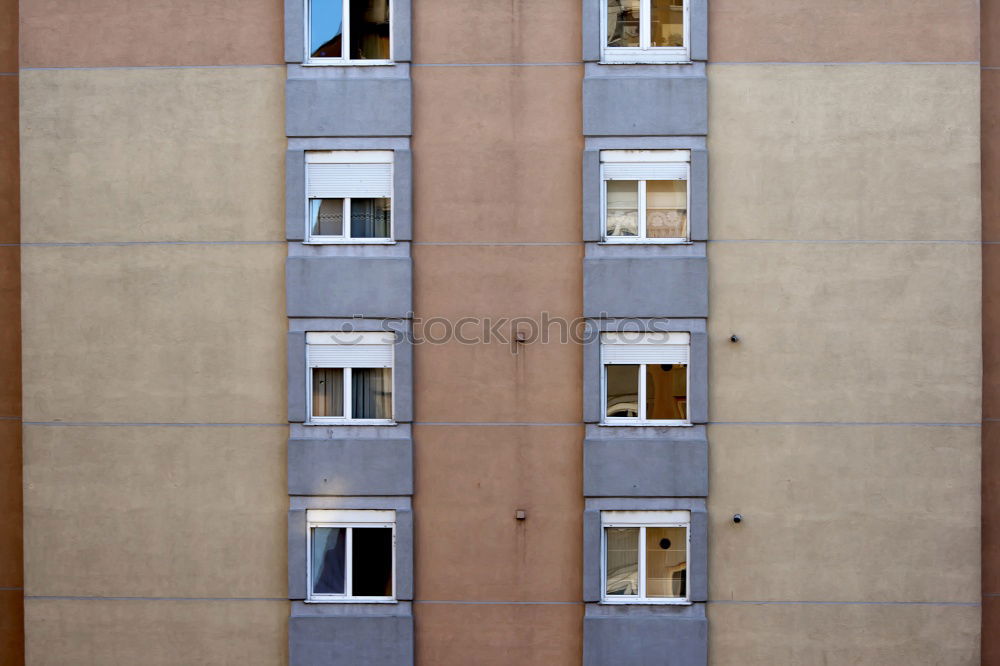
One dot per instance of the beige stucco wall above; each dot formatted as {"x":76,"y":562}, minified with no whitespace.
{"x":160,"y":632}
{"x":845,"y":228}
{"x":153,"y":293}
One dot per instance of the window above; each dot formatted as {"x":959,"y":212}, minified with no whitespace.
{"x":646,"y":31}
{"x":348,"y":32}
{"x":645,"y":378}
{"x":645,"y":195}
{"x":644,"y":556}
{"x":350,"y":377}
{"x":349,"y":196}
{"x":351,"y":555}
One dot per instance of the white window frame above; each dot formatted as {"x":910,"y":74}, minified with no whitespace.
{"x":346,"y":39}
{"x":644,"y":53}
{"x":348,"y":518}
{"x":638,"y":158}
{"x":347,"y":339}
{"x":651,"y":339}
{"x":349,"y":157}
{"x":642,"y":520}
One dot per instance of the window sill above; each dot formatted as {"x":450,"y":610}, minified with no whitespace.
{"x":624,"y":60}
{"x":351,"y":241}
{"x":662,"y":424}
{"x":349,"y":63}
{"x":351,"y":422}
{"x":356,"y":600}
{"x":646,"y":602}
{"x":647,"y":241}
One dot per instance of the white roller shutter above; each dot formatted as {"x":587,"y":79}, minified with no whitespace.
{"x":357,"y":350}
{"x":646,"y":171}
{"x":628,"y":348}
{"x":331,"y":181}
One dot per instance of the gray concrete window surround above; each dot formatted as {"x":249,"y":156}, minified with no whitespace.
{"x":402,"y":372}
{"x":697,"y":557}
{"x":347,"y":104}
{"x":645,"y":285}
{"x":641,"y":636}
{"x":297,"y":541}
{"x":350,"y":466}
{"x":593,"y":40}
{"x":295,"y":182}
{"x":357,"y":286}
{"x":669,"y":462}
{"x":400,"y":20}
{"x":385,"y":639}
{"x":697,"y":381}
{"x":592,"y":186}
{"x":659,"y":103}
{"x":350,"y":633}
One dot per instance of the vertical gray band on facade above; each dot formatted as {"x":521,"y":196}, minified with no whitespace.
{"x":698,"y":378}
{"x":295,"y":195}
{"x":698,"y":555}
{"x":297,"y":538}
{"x":699,"y":29}
{"x":404,"y":554}
{"x":403,"y":378}
{"x":592,"y":185}
{"x":295,"y":30}
{"x":591,"y":34}
{"x":402,"y":195}
{"x":402,"y":21}
{"x":297,"y":377}
{"x":698,"y":205}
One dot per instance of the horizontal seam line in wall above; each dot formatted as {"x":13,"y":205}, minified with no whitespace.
{"x":498,"y":64}
{"x":86,"y":598}
{"x":121,"y":243}
{"x":113,"y":67}
{"x":10,"y":418}
{"x":8,"y":73}
{"x":852,"y":241}
{"x":491,"y":423}
{"x":500,"y":603}
{"x":11,"y":589}
{"x":862,"y":62}
{"x":853,"y":603}
{"x":124,"y":423}
{"x":844,"y":423}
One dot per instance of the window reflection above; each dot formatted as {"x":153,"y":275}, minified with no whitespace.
{"x":326,"y":28}
{"x":666,"y":562}
{"x":369,"y":29}
{"x":666,"y":23}
{"x":666,"y":209}
{"x":622,"y":390}
{"x":623,"y":23}
{"x":666,"y":392}
{"x":622,"y":208}
{"x":622,"y":560}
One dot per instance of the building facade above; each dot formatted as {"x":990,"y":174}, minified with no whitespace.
{"x":586,"y":331}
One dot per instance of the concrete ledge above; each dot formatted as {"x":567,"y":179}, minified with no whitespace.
{"x":348,"y":107}
{"x":645,"y":286}
{"x":373,"y":640}
{"x":648,"y":467}
{"x":349,"y":286}
{"x":656,"y":105}
{"x":350,"y":467}
{"x":645,"y":636}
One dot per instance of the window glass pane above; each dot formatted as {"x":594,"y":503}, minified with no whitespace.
{"x":327,"y":217}
{"x":621,"y":558}
{"x":666,"y":209}
{"x":623,"y":207}
{"x":370,"y":218}
{"x":622,"y":390}
{"x":666,"y":391}
{"x":623,"y":22}
{"x":370,"y":29}
{"x":329,"y":548}
{"x":666,"y":562}
{"x":325,"y":28}
{"x":667,"y":26}
{"x":371,"y":393}
{"x":371,"y":560}
{"x":328,"y":392}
